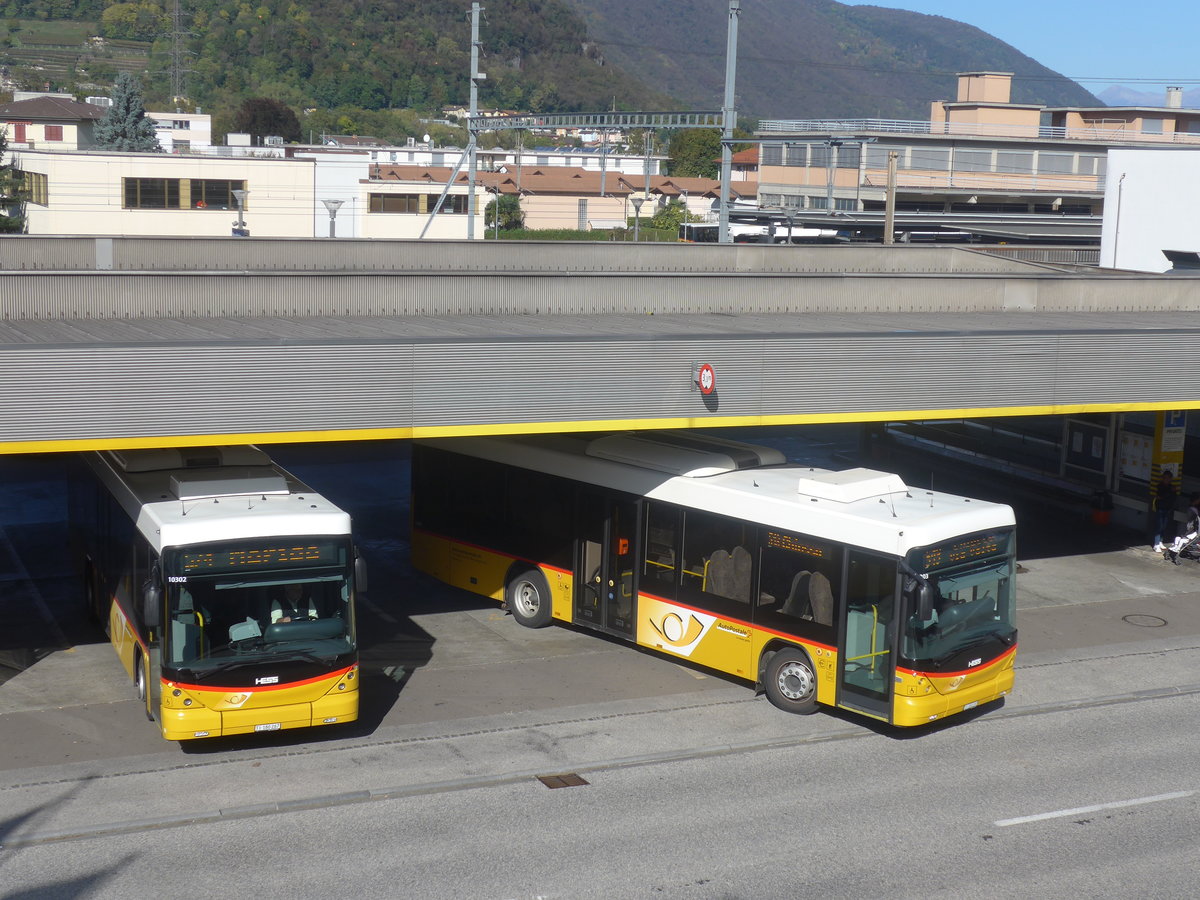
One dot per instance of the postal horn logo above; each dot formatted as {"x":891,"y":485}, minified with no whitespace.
{"x":681,"y":636}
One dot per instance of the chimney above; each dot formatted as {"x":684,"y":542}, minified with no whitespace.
{"x":1174,"y":98}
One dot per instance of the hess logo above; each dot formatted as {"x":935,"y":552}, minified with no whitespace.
{"x":674,"y":632}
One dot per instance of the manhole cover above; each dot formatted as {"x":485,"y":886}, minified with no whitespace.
{"x":570,"y":779}
{"x":1144,"y":621}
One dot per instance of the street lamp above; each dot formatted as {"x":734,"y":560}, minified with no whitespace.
{"x":239,"y":227}
{"x":637,"y":215}
{"x":333,"y":206}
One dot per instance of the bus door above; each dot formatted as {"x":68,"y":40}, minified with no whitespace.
{"x":867,"y":648}
{"x":605,"y":596}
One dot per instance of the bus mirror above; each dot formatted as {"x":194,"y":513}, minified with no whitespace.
{"x":151,"y":604}
{"x":360,"y":574}
{"x":925,"y":598}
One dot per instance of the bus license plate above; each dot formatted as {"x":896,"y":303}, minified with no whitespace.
{"x":274,"y":726}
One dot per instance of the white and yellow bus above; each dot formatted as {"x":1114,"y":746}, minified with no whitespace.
{"x":225,"y":585}
{"x":846,"y":589}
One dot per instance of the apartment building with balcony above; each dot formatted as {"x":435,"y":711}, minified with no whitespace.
{"x":979,"y":153}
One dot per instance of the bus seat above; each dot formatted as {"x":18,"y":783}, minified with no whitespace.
{"x":820,"y":598}
{"x":186,"y":639}
{"x":797,"y":602}
{"x":720,"y":574}
{"x":743,"y":564}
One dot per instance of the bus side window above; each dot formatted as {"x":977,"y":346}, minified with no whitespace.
{"x":718,"y":569}
{"x":661,"y":558}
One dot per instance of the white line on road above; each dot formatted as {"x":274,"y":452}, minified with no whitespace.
{"x":1081,"y":810}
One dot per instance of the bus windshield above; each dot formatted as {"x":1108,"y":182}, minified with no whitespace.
{"x":239,"y":602}
{"x":973,"y":611}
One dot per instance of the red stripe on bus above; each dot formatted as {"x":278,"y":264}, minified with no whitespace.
{"x":990,"y":663}
{"x":258,"y":688}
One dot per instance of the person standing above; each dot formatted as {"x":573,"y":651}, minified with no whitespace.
{"x":1164,"y":507}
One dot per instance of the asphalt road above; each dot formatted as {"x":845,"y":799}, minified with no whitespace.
{"x":695,"y":788}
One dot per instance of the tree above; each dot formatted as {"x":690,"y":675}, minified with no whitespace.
{"x":11,"y":206}
{"x":125,"y":126}
{"x":511,"y":216}
{"x":670,"y":216}
{"x":695,"y":153}
{"x":261,"y":116}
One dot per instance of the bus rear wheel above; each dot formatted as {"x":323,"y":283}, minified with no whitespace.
{"x":528,"y":599}
{"x":791,"y":682}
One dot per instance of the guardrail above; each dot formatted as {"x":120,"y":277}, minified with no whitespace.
{"x":916,"y":126}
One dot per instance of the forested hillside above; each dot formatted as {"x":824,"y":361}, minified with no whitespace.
{"x":372,"y":55}
{"x":811,"y":58}
{"x":797,"y":58}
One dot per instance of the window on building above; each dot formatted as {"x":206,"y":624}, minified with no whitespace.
{"x":54,"y":132}
{"x":416,"y":204}
{"x":1152,"y":126}
{"x":34,"y":187}
{"x":772,"y":154}
{"x":797,"y":155}
{"x":848,"y":156}
{"x":181,"y":193}
{"x":1014,"y":162}
{"x":845,"y":203}
{"x":877,"y":155}
{"x":151,"y":193}
{"x":1055,"y":163}
{"x":1091,"y":164}
{"x":18,"y":130}
{"x":932,"y":159}
{"x":973,"y":160}
{"x":212,"y":193}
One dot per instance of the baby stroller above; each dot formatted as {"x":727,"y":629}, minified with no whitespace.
{"x":1190,"y":550}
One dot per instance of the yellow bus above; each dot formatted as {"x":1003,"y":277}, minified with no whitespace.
{"x":225,"y":585}
{"x":841,"y":588}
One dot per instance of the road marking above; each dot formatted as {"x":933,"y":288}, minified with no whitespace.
{"x":1081,"y":810}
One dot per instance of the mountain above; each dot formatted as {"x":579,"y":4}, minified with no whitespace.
{"x":796,"y":58}
{"x":811,"y":58}
{"x":1120,"y":95}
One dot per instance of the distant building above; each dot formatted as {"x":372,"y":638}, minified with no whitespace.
{"x":50,"y":121}
{"x":977,"y":153}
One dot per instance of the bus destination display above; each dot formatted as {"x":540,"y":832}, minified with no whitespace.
{"x":962,"y":551}
{"x":267,"y":557}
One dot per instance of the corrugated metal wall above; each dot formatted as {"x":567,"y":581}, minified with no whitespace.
{"x":64,"y":393}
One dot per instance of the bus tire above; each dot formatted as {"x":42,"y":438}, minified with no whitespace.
{"x":528,"y":599}
{"x":791,"y":681}
{"x":139,"y":678}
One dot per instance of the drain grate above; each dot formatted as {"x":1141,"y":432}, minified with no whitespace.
{"x":570,"y":779}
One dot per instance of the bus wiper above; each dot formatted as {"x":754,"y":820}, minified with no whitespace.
{"x":305,"y":655}
{"x":219,"y":667}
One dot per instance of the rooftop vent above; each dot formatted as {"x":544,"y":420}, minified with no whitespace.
{"x":851,"y":485}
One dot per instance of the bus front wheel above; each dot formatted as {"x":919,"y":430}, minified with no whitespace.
{"x":528,"y":599}
{"x":791,"y":682}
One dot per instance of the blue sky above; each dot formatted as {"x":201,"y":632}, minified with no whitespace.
{"x":1102,"y":41}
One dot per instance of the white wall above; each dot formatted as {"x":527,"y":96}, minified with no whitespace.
{"x":1151,"y":204}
